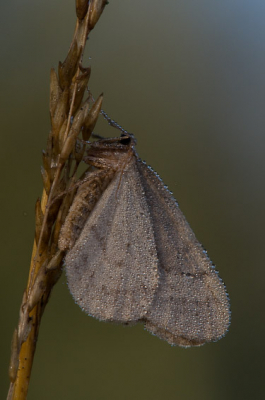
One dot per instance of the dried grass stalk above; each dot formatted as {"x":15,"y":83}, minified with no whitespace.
{"x":70,"y":115}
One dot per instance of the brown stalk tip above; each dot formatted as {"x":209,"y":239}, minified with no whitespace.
{"x":45,"y":160}
{"x":95,"y":10}
{"x":92,"y":118}
{"x":38,"y":288}
{"x":46,"y":180}
{"x":81,"y":7}
{"x":55,"y":91}
{"x":74,"y":131}
{"x":67,"y":69}
{"x":84,"y":72}
{"x":55,"y":262}
{"x":81,"y":81}
{"x":38,"y":219}
{"x":60,"y":113}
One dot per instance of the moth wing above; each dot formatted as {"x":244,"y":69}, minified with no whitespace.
{"x":112,"y":270}
{"x":191,"y":305}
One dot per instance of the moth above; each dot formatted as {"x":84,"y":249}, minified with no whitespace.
{"x":132,"y":257}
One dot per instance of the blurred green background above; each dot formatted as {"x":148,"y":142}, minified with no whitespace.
{"x":188,"y":79}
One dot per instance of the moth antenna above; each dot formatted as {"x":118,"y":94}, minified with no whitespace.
{"x":113,"y":123}
{"x":110,"y":121}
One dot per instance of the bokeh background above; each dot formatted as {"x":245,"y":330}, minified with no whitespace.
{"x":188,"y":79}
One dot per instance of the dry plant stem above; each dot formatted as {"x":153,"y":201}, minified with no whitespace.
{"x":60,"y":166}
{"x":46,"y":261}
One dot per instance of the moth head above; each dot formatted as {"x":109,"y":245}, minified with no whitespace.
{"x":111,"y":152}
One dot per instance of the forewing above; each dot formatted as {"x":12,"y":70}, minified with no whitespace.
{"x":191,"y":306}
{"x":112,"y":270}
